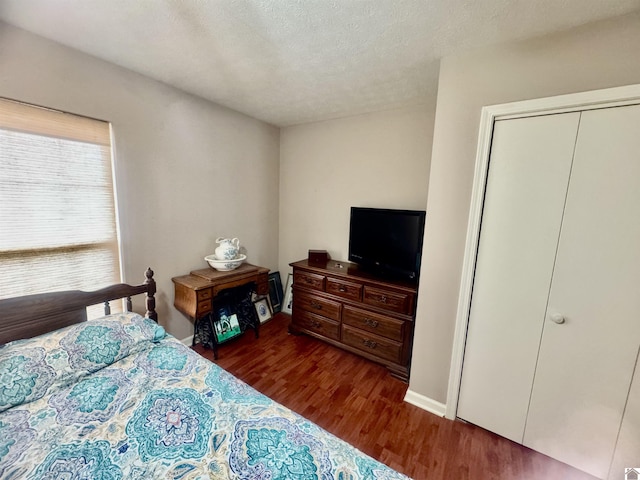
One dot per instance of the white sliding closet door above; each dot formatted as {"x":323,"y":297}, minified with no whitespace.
{"x":628,"y":446}
{"x":529,"y":171}
{"x":585,"y":364}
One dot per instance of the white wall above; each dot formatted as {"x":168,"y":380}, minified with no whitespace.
{"x":187,"y":170}
{"x":374,"y":160}
{"x":601,"y":55}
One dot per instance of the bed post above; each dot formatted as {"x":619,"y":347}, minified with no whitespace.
{"x":151,"y":290}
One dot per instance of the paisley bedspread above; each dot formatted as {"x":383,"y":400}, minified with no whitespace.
{"x":117,"y":398}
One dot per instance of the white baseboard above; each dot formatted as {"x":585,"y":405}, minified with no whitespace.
{"x":187,"y":341}
{"x":425,"y":403}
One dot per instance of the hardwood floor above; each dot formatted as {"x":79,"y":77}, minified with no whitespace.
{"x":359,"y":401}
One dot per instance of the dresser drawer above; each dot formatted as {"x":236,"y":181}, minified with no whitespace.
{"x":335,"y":286}
{"x":203,"y":308}
{"x":316,"y":323}
{"x":374,"y":344}
{"x":394,"y":301}
{"x":318,"y":305}
{"x":309,"y":280}
{"x":372,"y":322}
{"x":204,"y":294}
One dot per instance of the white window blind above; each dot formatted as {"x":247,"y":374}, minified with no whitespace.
{"x":58,"y":226}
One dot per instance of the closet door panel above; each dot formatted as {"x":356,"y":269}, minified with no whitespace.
{"x":627,"y":454}
{"x":586,"y":363}
{"x":526,"y":187}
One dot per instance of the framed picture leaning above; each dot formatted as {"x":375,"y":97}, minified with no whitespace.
{"x":263,"y":308}
{"x":288,"y":295}
{"x":275,"y":291}
{"x":225,"y":324}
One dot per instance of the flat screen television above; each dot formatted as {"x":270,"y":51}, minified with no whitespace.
{"x":387,"y":242}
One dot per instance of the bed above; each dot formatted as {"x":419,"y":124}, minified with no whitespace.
{"x":119,"y":398}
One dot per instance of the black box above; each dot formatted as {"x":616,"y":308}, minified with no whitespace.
{"x":319,"y":257}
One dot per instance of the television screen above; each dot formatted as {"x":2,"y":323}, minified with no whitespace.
{"x":386,"y":241}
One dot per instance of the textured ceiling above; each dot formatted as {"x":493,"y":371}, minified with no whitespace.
{"x":295,"y":61}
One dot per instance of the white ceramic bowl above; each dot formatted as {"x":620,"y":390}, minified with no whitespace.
{"x":225,"y":265}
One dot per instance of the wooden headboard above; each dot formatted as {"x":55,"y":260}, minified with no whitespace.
{"x":32,"y":315}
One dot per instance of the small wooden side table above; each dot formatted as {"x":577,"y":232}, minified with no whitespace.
{"x":195,"y":293}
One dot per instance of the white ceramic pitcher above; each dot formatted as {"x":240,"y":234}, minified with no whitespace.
{"x":228,"y":248}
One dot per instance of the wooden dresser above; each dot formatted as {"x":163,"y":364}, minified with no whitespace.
{"x":354,"y":310}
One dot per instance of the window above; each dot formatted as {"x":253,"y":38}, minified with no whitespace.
{"x":58,"y":227}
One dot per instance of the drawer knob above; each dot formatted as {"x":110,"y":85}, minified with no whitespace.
{"x":382,"y":299}
{"x":341,"y":288}
{"x":316,"y":305}
{"x":308,"y":280}
{"x":369,"y":344}
{"x":316,"y":323}
{"x":371,"y":323}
